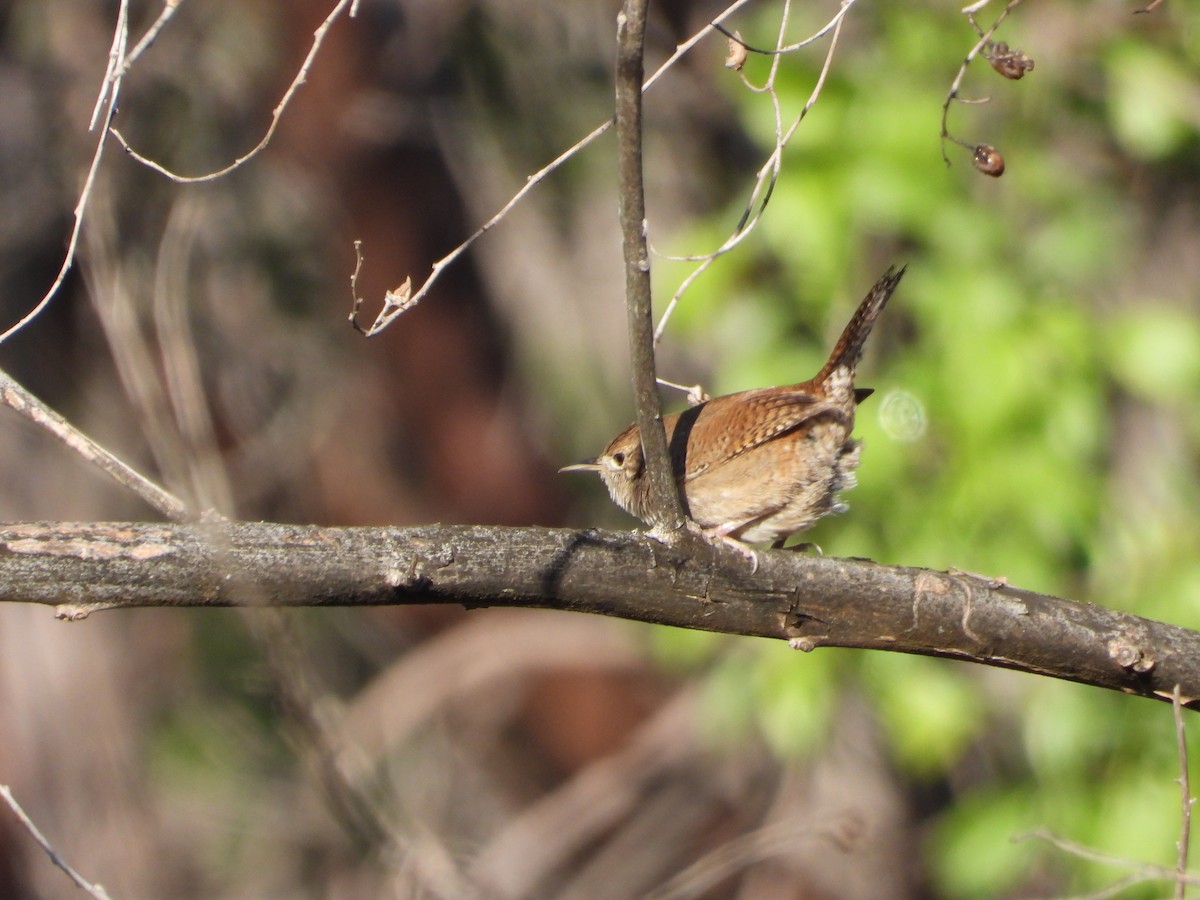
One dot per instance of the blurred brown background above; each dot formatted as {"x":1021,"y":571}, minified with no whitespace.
{"x":202,"y":337}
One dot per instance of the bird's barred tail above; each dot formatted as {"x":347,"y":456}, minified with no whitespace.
{"x":849,"y":348}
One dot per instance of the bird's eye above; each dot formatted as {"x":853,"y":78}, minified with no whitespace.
{"x":619,"y":458}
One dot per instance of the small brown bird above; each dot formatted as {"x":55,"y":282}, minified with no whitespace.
{"x":758,"y":465}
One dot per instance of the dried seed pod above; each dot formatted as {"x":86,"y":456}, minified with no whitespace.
{"x":987,"y":159}
{"x":736,"y":57}
{"x":1012,"y":64}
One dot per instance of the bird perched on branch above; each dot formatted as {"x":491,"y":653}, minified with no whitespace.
{"x":763,"y":464}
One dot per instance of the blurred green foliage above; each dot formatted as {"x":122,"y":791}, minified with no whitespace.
{"x":1023,"y":352}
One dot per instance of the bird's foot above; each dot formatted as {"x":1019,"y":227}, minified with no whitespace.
{"x":719,"y":536}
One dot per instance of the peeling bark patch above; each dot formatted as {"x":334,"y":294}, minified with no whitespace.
{"x":77,"y":612}
{"x":86,"y":549}
{"x":966,"y":619}
{"x":14,"y":399}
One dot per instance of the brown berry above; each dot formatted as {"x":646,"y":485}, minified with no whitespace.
{"x":987,"y":159}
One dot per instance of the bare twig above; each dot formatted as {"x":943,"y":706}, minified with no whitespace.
{"x":119,"y":63}
{"x":400,"y":301}
{"x":14,"y":396}
{"x":789,"y":48}
{"x":106,"y":101}
{"x":665,"y":511}
{"x":276,"y":114}
{"x":695,"y":393}
{"x":396,"y":300}
{"x":94,"y":890}
{"x":403,"y":298}
{"x":356,"y":300}
{"x":693,"y":41}
{"x":1186,"y":798}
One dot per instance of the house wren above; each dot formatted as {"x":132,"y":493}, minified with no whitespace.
{"x":758,"y":465}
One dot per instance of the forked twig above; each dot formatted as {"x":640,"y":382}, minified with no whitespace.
{"x":170,"y":7}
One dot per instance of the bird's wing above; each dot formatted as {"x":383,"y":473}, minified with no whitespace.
{"x":713,"y":433}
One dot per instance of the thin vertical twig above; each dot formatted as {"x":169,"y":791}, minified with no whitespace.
{"x":666,"y":510}
{"x":1186,"y":799}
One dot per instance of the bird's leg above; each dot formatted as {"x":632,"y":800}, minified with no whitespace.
{"x":720,"y":535}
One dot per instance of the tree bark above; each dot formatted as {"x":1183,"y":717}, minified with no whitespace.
{"x":809,"y":601}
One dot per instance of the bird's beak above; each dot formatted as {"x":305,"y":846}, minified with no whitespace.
{"x":588,"y":465}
